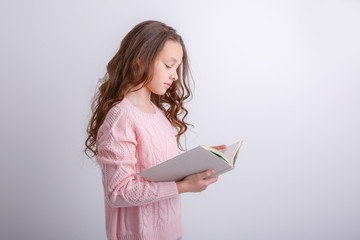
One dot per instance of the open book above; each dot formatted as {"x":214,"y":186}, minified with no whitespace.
{"x":193,"y":161}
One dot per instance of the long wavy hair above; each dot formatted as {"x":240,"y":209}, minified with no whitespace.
{"x":143,"y":42}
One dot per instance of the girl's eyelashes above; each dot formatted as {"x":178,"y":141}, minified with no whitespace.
{"x":171,"y":66}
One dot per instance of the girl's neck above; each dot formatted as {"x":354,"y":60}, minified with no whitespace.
{"x":141,"y":99}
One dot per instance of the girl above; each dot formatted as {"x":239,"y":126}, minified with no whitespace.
{"x":137,"y":106}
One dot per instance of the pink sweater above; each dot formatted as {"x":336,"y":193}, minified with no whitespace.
{"x":130,"y":141}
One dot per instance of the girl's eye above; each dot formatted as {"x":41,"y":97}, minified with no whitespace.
{"x":167,"y":66}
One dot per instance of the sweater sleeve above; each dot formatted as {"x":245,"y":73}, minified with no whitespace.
{"x":116,"y":156}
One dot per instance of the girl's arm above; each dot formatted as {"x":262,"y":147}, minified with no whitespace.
{"x":116,"y":145}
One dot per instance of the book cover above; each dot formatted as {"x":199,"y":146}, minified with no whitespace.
{"x":194,"y":161}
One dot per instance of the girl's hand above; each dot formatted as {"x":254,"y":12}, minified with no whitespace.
{"x":196,"y":182}
{"x":219,"y":147}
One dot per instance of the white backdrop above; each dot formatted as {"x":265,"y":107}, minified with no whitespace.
{"x":281,"y":75}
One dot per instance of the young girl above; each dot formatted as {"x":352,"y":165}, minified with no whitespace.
{"x":137,"y":107}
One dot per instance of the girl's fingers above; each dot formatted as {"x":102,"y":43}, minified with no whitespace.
{"x":219,"y":147}
{"x":212,"y":180}
{"x":207,"y":173}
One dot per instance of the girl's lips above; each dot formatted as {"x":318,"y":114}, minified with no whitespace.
{"x":167,"y":84}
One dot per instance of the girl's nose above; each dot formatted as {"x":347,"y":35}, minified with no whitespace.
{"x":174,"y":77}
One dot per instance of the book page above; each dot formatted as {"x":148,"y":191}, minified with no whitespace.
{"x":218,"y":153}
{"x":230,"y":152}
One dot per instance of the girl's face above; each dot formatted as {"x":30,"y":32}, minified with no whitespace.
{"x":165,"y":65}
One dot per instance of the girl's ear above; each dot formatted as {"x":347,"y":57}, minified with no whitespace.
{"x":138,"y":61}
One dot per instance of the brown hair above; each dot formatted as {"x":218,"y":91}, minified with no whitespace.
{"x":143,"y":43}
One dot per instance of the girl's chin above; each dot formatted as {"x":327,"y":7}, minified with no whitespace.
{"x":160,"y":93}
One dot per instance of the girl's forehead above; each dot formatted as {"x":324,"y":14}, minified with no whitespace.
{"x":172,"y":51}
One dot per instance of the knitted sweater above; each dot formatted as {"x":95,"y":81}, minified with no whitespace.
{"x":130,"y":141}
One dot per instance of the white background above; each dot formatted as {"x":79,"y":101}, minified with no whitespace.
{"x":281,"y":75}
